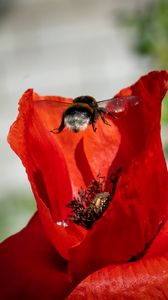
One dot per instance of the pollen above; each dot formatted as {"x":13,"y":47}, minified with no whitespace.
{"x":92,"y":202}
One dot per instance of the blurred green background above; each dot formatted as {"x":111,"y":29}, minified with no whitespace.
{"x":69,"y":48}
{"x":149,"y":29}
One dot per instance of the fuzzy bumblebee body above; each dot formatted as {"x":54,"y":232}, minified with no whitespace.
{"x":83,"y":111}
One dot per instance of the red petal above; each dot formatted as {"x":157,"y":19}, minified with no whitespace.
{"x":142,"y":280}
{"x":41,"y":156}
{"x":140,"y":200}
{"x":46,"y":167}
{"x":31,"y":268}
{"x":118,"y":145}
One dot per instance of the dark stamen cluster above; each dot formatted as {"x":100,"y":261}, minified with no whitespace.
{"x":91,"y":202}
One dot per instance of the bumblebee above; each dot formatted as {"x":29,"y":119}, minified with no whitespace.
{"x":85,"y":110}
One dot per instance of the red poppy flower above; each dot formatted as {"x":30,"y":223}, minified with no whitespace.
{"x":123,"y":254}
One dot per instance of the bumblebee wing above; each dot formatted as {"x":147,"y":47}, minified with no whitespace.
{"x":119,"y":105}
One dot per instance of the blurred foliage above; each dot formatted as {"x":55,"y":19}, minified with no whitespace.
{"x":150,"y":38}
{"x":165,"y":110}
{"x":16,"y":210}
{"x":150,"y":26}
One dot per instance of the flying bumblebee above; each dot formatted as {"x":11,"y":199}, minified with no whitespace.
{"x":85,"y":110}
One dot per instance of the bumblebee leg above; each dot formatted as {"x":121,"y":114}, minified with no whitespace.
{"x":94,"y":119}
{"x":104,"y":119}
{"x":60,"y":128}
{"x":94,"y":127}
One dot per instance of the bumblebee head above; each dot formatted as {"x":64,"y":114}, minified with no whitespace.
{"x":86,"y":100}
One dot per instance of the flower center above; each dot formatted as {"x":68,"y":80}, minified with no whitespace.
{"x":92,"y":201}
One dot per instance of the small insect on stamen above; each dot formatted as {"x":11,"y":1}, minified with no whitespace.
{"x":101,"y":199}
{"x":92,"y":202}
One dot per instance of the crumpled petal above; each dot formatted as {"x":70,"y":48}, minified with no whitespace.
{"x":144,"y":279}
{"x":140,"y":201}
{"x":41,"y":155}
{"x":47,"y":171}
{"x":31,"y":268}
